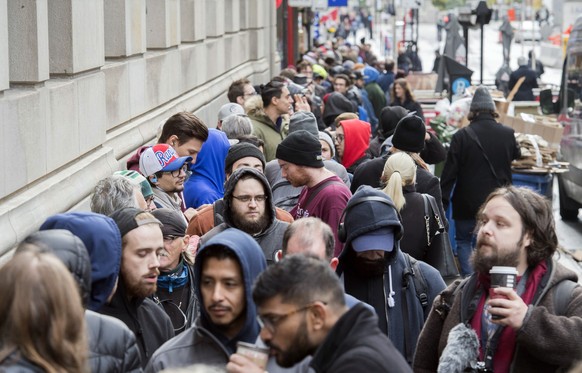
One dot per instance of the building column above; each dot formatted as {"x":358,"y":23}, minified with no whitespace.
{"x":125,"y":27}
{"x":4,"y":61}
{"x":163,"y":23}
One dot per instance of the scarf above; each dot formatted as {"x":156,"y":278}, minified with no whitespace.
{"x":503,"y":355}
{"x":175,"y":279}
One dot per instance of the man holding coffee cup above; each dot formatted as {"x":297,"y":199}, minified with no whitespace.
{"x":520,"y":323}
{"x":225,"y":269}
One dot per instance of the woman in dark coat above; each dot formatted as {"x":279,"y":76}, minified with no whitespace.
{"x":402,"y":96}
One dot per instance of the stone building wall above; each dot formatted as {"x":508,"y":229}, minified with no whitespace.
{"x":83,"y":83}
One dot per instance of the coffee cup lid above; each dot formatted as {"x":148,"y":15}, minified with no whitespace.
{"x":503,"y":270}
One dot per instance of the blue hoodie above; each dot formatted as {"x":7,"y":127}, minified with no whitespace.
{"x":102,"y":239}
{"x":252,"y":262}
{"x":206,"y":183}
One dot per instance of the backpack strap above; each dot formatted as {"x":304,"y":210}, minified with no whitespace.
{"x":473,"y":136}
{"x":563,"y":295}
{"x":413,"y":270}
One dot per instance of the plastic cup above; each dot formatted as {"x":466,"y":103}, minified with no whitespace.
{"x":259,"y":355}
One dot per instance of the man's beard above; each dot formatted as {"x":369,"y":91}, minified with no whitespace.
{"x":250,"y":226}
{"x":298,"y":350}
{"x":139,"y":290}
{"x":369,"y":267}
{"x":483,"y":263}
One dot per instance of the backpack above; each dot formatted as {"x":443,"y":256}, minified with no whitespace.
{"x":413,"y":271}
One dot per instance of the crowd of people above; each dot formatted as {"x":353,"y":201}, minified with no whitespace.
{"x":299,"y":225}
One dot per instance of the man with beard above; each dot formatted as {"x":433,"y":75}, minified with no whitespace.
{"x":532,"y":328}
{"x":302,"y":312}
{"x":325,"y":195}
{"x":375,"y":271}
{"x":167,"y":173}
{"x":226,"y":266}
{"x":142,"y":242}
{"x":248,"y":206}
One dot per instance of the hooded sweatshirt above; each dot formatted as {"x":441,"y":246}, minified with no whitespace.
{"x":102,"y":240}
{"x":204,"y":343}
{"x":393,"y":295}
{"x":375,"y":92}
{"x":335,"y":105}
{"x":206,"y":183}
{"x":356,"y":143}
{"x":271,"y":237}
{"x":112,"y":346}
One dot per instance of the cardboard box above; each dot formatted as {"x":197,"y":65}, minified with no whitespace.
{"x":543,"y":127}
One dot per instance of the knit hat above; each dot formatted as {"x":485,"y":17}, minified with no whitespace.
{"x":389,"y":118}
{"x":239,"y":151}
{"x":409,"y":134}
{"x":172,"y":223}
{"x":303,"y":120}
{"x":482,"y":100}
{"x":522,"y":61}
{"x":137,"y":179}
{"x":229,"y":109}
{"x":327,"y":138}
{"x":319,"y":70}
{"x":126,"y":222}
{"x":301,"y":148}
{"x":370,"y":74}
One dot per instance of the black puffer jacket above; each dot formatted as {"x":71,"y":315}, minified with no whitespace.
{"x":112,"y":346}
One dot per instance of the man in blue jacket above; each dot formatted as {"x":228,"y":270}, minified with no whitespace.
{"x":226,"y":267}
{"x":374,"y":269}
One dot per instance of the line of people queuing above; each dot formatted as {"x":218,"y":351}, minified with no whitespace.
{"x":295,"y":225}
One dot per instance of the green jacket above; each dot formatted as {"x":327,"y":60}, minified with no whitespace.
{"x":266,"y":130}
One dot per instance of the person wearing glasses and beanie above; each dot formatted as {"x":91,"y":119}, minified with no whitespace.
{"x":175,"y":292}
{"x":352,"y":139}
{"x":226,"y":267}
{"x":248,"y":206}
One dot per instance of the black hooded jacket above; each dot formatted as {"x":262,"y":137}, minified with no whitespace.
{"x":112,"y":346}
{"x":269,"y":239}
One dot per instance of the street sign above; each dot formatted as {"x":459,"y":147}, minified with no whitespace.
{"x":300,"y":3}
{"x":337,"y":3}
{"x":459,"y":85}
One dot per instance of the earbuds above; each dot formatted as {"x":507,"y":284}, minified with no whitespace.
{"x":154,"y":179}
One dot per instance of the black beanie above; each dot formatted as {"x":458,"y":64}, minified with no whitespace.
{"x":409,"y":134}
{"x":241,"y":150}
{"x":389,"y":118}
{"x":301,"y":148}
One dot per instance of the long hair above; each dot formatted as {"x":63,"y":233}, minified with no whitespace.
{"x":537,"y":219}
{"x":403,"y":83}
{"x":399,"y":171}
{"x":41,"y":315}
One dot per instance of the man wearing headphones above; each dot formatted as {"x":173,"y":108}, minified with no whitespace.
{"x":374,"y":269}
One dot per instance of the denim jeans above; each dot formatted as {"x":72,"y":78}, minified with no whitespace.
{"x":465,"y":243}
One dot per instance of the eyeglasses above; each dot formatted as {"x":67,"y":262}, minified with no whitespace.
{"x":179,"y":171}
{"x":173,"y":310}
{"x":246,"y":199}
{"x":271,"y":322}
{"x":340,"y":138}
{"x":171,"y":238}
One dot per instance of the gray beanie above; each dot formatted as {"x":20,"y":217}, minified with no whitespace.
{"x":522,"y":61}
{"x":482,"y":101}
{"x":327,"y":138}
{"x":303,"y":120}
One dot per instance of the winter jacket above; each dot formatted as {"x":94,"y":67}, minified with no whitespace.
{"x":269,"y":132}
{"x":356,"y":142}
{"x":355,"y":344}
{"x":286,"y":195}
{"x":150,"y":324}
{"x":269,"y":239}
{"x":133,"y":161}
{"x":410,"y":106}
{"x":403,"y":321}
{"x":16,"y":363}
{"x":204,"y":343}
{"x":102,"y":240}
{"x":369,"y":173}
{"x":545,"y":341}
{"x":376,"y":96}
{"x":205,"y":185}
{"x":525,"y":91}
{"x":112,"y":346}
{"x":467,"y":170}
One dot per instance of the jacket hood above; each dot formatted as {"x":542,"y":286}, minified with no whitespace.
{"x":389,"y":118}
{"x":133,"y":162}
{"x":229,"y":190}
{"x":356,"y":140}
{"x":102,"y":239}
{"x":368,"y":216}
{"x":335,"y":105}
{"x":252,"y":263}
{"x":71,"y":251}
{"x":209,"y":166}
{"x":370,"y":74}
